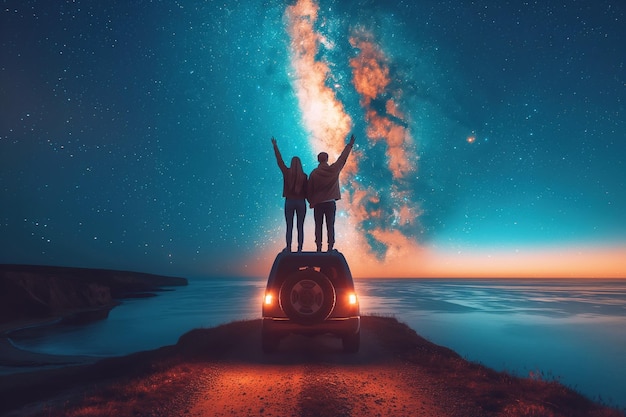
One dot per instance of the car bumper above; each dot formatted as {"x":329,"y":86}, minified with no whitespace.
{"x":339,"y":326}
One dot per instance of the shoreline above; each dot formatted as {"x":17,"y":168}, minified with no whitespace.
{"x":392,"y":355}
{"x":14,"y":360}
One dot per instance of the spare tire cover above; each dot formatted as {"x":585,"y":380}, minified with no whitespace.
{"x":307,"y":296}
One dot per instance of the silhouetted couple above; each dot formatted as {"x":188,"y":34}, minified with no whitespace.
{"x":321,"y":189}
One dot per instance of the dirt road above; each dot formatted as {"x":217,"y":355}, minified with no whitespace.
{"x":313,"y":377}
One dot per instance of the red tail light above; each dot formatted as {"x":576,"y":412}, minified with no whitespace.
{"x":352,"y":299}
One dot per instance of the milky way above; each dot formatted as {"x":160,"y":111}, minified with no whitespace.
{"x":381,"y":210}
{"x":135,"y":135}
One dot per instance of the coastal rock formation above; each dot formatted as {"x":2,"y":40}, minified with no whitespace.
{"x":33,"y":291}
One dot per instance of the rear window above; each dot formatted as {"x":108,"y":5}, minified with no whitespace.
{"x":331,"y":266}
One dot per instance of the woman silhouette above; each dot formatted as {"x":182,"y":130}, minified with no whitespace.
{"x":294,"y":191}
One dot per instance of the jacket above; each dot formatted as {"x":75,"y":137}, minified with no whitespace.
{"x":324,"y":180}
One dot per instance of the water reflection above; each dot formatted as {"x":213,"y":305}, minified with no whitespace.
{"x":568,"y":330}
{"x":498,"y":296}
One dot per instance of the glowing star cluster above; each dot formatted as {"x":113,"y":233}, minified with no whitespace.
{"x":385,"y":122}
{"x":384,"y":216}
{"x":324,"y":115}
{"x":371,"y":79}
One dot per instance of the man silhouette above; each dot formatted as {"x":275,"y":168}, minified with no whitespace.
{"x":322,"y":192}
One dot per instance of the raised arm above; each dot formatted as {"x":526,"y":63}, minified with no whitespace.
{"x":341,"y":161}
{"x":279,"y":158}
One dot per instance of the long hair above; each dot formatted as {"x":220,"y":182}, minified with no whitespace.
{"x":295,"y":178}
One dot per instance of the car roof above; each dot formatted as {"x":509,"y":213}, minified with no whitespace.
{"x":289,"y":262}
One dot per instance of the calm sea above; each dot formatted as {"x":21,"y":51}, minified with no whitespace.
{"x":570,"y":330}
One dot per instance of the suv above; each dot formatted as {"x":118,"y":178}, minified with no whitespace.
{"x":310,"y":293}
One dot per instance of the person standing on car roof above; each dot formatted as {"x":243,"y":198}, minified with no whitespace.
{"x":294,"y":191}
{"x":322,"y":192}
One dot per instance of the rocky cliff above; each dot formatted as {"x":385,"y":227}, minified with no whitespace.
{"x":30,"y":292}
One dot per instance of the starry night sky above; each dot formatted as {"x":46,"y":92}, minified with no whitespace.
{"x":136,"y":134}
